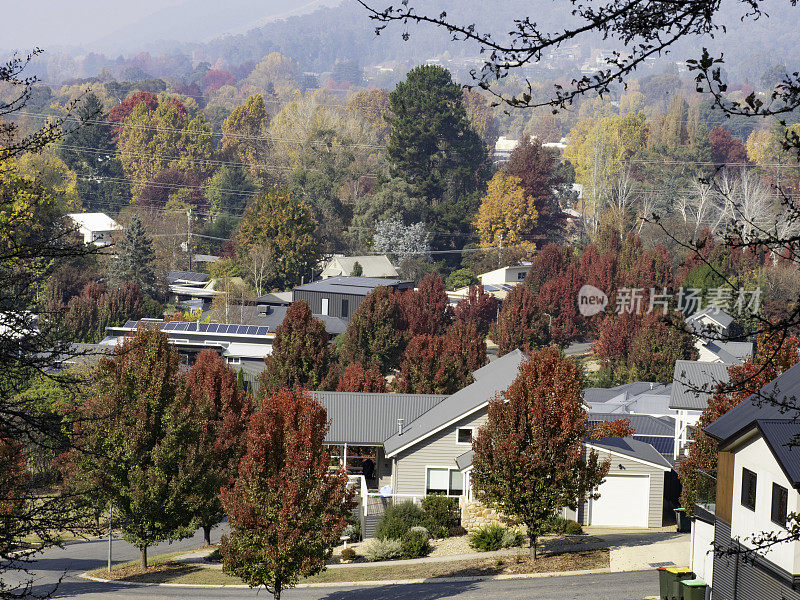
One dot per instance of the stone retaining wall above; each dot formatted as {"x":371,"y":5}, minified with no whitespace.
{"x":475,"y":515}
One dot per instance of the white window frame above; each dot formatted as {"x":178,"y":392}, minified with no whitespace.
{"x":448,"y":469}
{"x":234,"y":360}
{"x":325,"y":308}
{"x":472,"y":436}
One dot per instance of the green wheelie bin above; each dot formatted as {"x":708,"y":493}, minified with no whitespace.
{"x":693,"y":589}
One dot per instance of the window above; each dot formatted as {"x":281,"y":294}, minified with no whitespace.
{"x":345,"y":308}
{"x":521,"y":275}
{"x":444,"y":481}
{"x":465,"y":435}
{"x":780,"y":497}
{"x":748,"y":489}
{"x":324,"y":306}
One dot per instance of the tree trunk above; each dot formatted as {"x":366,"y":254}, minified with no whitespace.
{"x":143,"y":557}
{"x":207,"y":534}
{"x":533,"y":546}
{"x":277,"y":593}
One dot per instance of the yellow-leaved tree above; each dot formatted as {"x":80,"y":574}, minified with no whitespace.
{"x":506,"y":214}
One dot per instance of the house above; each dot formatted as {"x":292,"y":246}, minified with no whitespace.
{"x":242,"y":345}
{"x":693,"y":384}
{"x":191,"y":287}
{"x":503,"y":148}
{"x":341,"y":296}
{"x":713,"y":321}
{"x":371,"y":266}
{"x":506,"y":275}
{"x":96,"y":228}
{"x":722,"y":351}
{"x":757,"y":483}
{"x":638,"y":397}
{"x":659,"y":432}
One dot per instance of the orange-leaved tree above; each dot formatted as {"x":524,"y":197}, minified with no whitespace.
{"x":530,"y":460}
{"x":287,"y":507}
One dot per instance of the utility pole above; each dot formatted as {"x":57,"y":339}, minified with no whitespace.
{"x":189,"y":236}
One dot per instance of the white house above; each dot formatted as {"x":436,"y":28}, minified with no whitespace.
{"x":96,"y":228}
{"x":513,"y":274}
{"x":758,"y":477}
{"x":371,"y":266}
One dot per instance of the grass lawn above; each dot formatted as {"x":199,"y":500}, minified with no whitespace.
{"x":164,"y":571}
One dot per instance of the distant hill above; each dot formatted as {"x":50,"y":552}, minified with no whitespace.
{"x":195,"y":21}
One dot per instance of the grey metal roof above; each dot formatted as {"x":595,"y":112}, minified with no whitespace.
{"x":694,"y":382}
{"x":781,"y":436}
{"x":632,"y":389}
{"x":491,"y":379}
{"x":357,"y":286}
{"x":730,"y":352}
{"x":369,"y":418}
{"x":174,"y":276}
{"x":627,"y":446}
{"x":633,"y":448}
{"x":465,"y":460}
{"x":719,"y":316}
{"x":784,"y":389}
{"x":642,"y":424}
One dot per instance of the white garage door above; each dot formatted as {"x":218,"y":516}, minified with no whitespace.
{"x":623,"y":502}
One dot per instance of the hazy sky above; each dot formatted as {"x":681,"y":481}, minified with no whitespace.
{"x":62,"y":22}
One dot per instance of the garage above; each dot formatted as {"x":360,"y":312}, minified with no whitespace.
{"x":624,"y":502}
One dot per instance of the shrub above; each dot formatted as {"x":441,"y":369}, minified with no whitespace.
{"x":353,"y":532}
{"x":573,"y":528}
{"x":415,"y":543}
{"x":383,"y":550}
{"x":511,"y":538}
{"x":487,"y":538}
{"x":348,"y":555}
{"x":441,"y":514}
{"x":397,"y":520}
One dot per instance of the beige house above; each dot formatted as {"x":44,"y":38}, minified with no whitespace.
{"x":371,"y":266}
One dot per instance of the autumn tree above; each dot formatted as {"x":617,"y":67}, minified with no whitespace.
{"x":540,"y":177}
{"x":301,"y":354}
{"x":529,"y":459}
{"x":287,"y":508}
{"x":355,"y":378}
{"x":726,"y":149}
{"x":432,"y":145}
{"x":478,"y":308}
{"x":285,"y":226}
{"x":376,"y":334}
{"x":245,"y":135}
{"x":427,"y":309}
{"x":657,"y":346}
{"x":136,"y":438}
{"x":373,"y":107}
{"x":520,"y":324}
{"x":507,"y":214}
{"x":222,"y":412}
{"x":441,"y":364}
{"x":558,"y":298}
{"x":618,"y":428}
{"x":548,"y":263}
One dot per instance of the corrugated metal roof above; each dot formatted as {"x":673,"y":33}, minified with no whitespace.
{"x":717,"y":315}
{"x":369,"y":418}
{"x":633,"y":448}
{"x":694,"y":382}
{"x":784,"y":389}
{"x":357,"y":286}
{"x":665,"y":445}
{"x":174,"y":276}
{"x":730,"y":352}
{"x":491,"y":379}
{"x":642,"y":424}
{"x":781,"y":435}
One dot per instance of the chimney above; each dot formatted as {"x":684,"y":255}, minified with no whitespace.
{"x":400,"y":423}
{"x":652,"y":385}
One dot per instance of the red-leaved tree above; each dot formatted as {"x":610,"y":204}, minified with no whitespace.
{"x":479,"y":309}
{"x":357,"y":379}
{"x":301,"y":353}
{"x":427,"y":309}
{"x":530,"y":460}
{"x":521,"y":323}
{"x":619,"y":428}
{"x":223,"y":413}
{"x":288,"y":507}
{"x":376,"y":334}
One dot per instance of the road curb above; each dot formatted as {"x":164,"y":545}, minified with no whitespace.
{"x":339,"y":584}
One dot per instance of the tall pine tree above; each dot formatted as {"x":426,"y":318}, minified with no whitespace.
{"x":135,"y":257}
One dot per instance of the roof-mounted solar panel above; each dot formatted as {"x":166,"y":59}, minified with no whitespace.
{"x":181,"y":326}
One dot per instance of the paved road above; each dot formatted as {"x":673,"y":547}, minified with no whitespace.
{"x":79,"y":557}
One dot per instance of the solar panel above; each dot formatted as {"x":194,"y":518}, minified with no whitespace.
{"x":251,"y":330}
{"x":212,"y":327}
{"x":130,"y":324}
{"x":262,"y":330}
{"x":181,"y":326}
{"x":228,"y":329}
{"x":169,"y":326}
